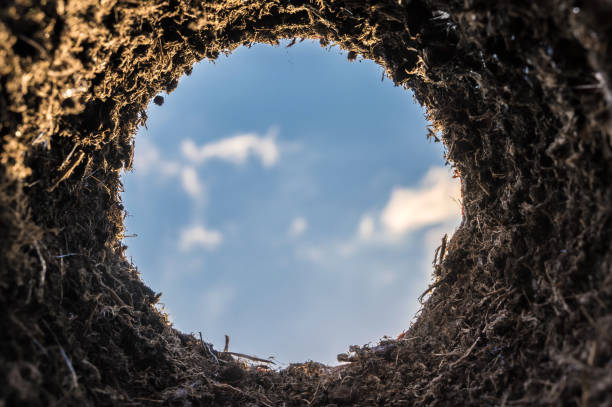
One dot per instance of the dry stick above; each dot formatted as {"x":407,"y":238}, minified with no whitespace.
{"x":113,"y":293}
{"x":466,"y":353}
{"x":253,"y":358}
{"x":431,"y":288}
{"x":72,"y":371}
{"x":67,"y":159}
{"x":93,"y":313}
{"x":61,"y":280}
{"x":505,"y":398}
{"x":242,"y":355}
{"x":68,"y":171}
{"x":34,"y":44}
{"x":438,"y":258}
{"x":315,"y":393}
{"x":43,"y":272}
{"x":443,"y":248}
{"x":226,"y":386}
{"x":64,"y":355}
{"x":149,"y":400}
{"x":61,"y":256}
{"x":101,"y":184}
{"x":25,"y":330}
{"x":592,"y":354}
{"x":205,"y":345}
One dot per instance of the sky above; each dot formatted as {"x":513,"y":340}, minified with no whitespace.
{"x":288,"y":198}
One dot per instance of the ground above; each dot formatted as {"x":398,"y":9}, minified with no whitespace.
{"x":519,"y":92}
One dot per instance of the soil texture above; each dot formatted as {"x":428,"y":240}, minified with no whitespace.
{"x":521,"y":309}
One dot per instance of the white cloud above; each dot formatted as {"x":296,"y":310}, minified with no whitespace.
{"x":191,"y":183}
{"x":148,"y":160}
{"x":434,"y":202}
{"x":235,"y":149}
{"x":366,"y":227}
{"x":215,"y":301}
{"x":298,"y":226}
{"x":169,"y":168}
{"x":199,"y":236}
{"x":312,"y":254}
{"x":384,"y":278}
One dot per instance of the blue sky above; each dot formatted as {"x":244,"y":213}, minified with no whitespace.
{"x":288,"y":198}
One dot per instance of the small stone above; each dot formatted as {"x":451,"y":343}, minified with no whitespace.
{"x":158,"y":100}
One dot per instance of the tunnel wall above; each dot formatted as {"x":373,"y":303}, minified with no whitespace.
{"x":518,"y":91}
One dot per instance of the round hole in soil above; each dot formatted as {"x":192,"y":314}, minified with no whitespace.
{"x":288,"y":198}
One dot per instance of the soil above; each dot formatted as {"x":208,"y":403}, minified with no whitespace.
{"x":519,"y":91}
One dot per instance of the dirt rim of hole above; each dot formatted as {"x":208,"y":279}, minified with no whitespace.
{"x":520,"y":313}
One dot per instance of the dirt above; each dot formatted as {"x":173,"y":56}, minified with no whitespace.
{"x":519,"y":91}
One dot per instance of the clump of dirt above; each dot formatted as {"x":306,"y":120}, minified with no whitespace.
{"x":520,"y":313}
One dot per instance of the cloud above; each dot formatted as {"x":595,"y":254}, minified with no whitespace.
{"x":434,"y":202}
{"x":169,"y":168}
{"x":215,"y":301}
{"x":298,"y":226}
{"x":366,"y":227}
{"x":148,"y":160}
{"x":199,"y":236}
{"x":383,"y":278}
{"x":147,"y":157}
{"x":191,"y":183}
{"x":236,"y":149}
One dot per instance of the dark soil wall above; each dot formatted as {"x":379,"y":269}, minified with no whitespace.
{"x":521,"y":313}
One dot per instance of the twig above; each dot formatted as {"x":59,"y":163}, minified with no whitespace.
{"x":61,"y":256}
{"x":205,"y":345}
{"x":61,"y":280}
{"x":25,"y":330}
{"x":431,"y":288}
{"x":225,"y":386}
{"x":43,"y":272}
{"x":226,"y":347}
{"x":253,"y":358}
{"x":72,"y":372}
{"x":101,"y":184}
{"x":466,"y":354}
{"x":149,"y":400}
{"x":443,"y":248}
{"x":34,"y":44}
{"x":67,"y":159}
{"x":324,"y":21}
{"x":113,"y":293}
{"x":68,"y":171}
{"x":315,"y":393}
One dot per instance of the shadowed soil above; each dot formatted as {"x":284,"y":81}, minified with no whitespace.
{"x":521,"y":309}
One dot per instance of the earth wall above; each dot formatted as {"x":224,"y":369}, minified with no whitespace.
{"x":519,"y":91}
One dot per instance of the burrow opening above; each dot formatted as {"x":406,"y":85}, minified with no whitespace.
{"x":349,"y":199}
{"x":520,"y":312}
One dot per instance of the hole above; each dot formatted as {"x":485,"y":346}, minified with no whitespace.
{"x":270,"y":198}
